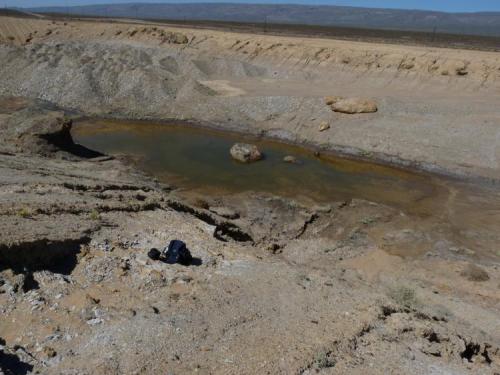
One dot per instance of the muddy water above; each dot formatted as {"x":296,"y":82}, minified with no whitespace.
{"x":199,"y":160}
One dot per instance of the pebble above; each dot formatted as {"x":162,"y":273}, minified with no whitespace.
{"x":324,"y":126}
{"x":322,"y":208}
{"x":52,"y":337}
{"x":95,"y":321}
{"x":290,"y":159}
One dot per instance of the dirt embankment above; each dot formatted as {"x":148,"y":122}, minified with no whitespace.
{"x":438,"y":108}
{"x":278,"y":287}
{"x":328,"y":53}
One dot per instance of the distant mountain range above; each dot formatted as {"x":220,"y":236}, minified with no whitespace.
{"x":483,"y":23}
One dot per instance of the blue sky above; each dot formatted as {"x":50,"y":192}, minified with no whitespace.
{"x":443,"y":5}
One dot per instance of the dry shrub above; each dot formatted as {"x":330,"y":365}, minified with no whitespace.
{"x":475,"y":273}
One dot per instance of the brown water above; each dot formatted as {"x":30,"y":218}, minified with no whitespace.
{"x":198,"y":159}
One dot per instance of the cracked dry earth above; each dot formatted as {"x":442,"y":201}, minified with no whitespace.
{"x":278,"y":287}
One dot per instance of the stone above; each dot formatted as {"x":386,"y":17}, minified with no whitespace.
{"x":324,"y":126}
{"x":354,"y":105}
{"x":407,"y":65}
{"x":173,"y":37}
{"x":245,"y":153}
{"x":324,"y":209}
{"x":290,"y":159}
{"x":15,"y":282}
{"x":329,"y":100}
{"x":178,"y":38}
{"x":95,"y":321}
{"x":225,"y":212}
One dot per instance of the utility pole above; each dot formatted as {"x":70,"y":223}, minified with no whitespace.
{"x":135,"y":7}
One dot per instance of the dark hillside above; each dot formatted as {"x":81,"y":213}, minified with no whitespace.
{"x":485,"y":23}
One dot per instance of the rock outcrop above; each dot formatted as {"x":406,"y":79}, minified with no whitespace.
{"x":352,"y":105}
{"x":39,"y":131}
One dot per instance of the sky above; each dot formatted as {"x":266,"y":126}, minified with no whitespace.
{"x":441,"y":5}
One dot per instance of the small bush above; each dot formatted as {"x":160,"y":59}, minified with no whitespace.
{"x":475,"y":273}
{"x":369,"y":220}
{"x":94,"y":215}
{"x":404,"y":296}
{"x":323,"y":360}
{"x":24,"y":213}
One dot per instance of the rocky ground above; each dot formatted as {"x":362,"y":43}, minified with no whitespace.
{"x":277,"y":285}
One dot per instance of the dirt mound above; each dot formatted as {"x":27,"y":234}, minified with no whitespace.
{"x":480,"y":67}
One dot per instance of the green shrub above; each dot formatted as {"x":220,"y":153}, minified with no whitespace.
{"x":323,"y":360}
{"x":404,"y":296}
{"x":94,"y":215}
{"x":24,"y":212}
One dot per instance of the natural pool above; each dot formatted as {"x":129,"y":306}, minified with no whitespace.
{"x":199,"y":159}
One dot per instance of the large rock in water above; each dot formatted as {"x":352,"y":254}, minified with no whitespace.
{"x":354,"y":105}
{"x":245,"y":153}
